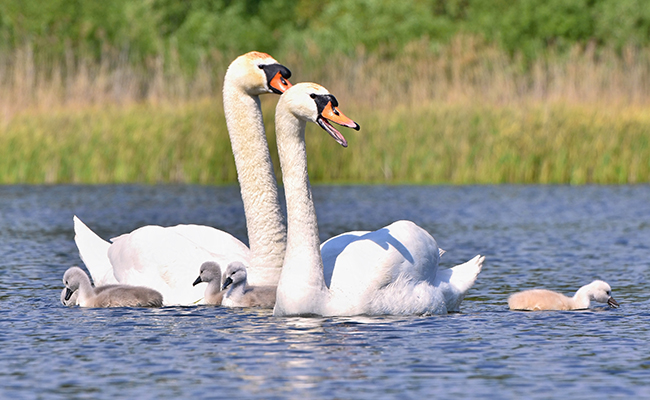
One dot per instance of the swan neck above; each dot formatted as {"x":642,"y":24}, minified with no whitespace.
{"x":581,"y":299}
{"x":302,"y":273}
{"x":257,"y":182}
{"x":86,"y":291}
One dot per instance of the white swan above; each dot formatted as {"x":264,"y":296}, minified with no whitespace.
{"x":210,"y":273}
{"x":390,"y":271}
{"x":76,"y":281}
{"x":542,"y":299}
{"x":166,"y":258}
{"x":239,"y":294}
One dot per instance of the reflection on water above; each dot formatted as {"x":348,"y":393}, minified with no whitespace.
{"x":558,"y":237}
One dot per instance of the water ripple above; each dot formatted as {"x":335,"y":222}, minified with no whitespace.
{"x":555,"y":236}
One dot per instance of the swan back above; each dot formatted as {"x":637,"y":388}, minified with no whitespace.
{"x":210,"y":272}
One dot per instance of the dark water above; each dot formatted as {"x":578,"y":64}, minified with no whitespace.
{"x":558,"y":237}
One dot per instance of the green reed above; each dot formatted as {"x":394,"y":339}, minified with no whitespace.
{"x":430,"y":143}
{"x":465,"y":114}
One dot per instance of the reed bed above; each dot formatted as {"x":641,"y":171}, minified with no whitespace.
{"x":464,"y":114}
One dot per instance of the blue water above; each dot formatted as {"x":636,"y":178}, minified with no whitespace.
{"x":558,"y":237}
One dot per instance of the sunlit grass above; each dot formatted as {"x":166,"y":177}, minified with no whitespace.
{"x":467,"y":114}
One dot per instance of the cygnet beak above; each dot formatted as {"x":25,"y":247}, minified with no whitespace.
{"x":612,"y":303}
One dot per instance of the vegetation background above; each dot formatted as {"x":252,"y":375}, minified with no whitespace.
{"x":446,"y":91}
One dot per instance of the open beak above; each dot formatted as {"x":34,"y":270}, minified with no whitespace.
{"x":197,"y":281}
{"x":612,"y":303}
{"x":332,"y":114}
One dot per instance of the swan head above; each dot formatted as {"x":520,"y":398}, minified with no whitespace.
{"x":72,"y":279}
{"x":210,"y":271}
{"x":601,"y":292}
{"x":312,"y":102}
{"x":235,"y":273}
{"x":258,"y":73}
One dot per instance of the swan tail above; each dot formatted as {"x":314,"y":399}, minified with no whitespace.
{"x":455,"y":282}
{"x":93,"y":251}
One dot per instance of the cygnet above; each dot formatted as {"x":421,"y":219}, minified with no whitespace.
{"x":210,"y":272}
{"x":239,"y":294}
{"x":73,"y":300}
{"x":542,"y":299}
{"x":76,"y":281}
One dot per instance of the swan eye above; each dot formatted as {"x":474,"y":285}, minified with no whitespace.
{"x":313,"y":96}
{"x":261,"y":66}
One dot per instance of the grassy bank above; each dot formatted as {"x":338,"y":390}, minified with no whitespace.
{"x":466,"y":113}
{"x":429,"y":143}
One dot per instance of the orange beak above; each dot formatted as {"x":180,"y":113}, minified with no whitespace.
{"x":279,"y":83}
{"x":331,"y":113}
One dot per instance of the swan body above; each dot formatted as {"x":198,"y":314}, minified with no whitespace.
{"x":210,"y":272}
{"x":546,"y":300}
{"x":166,"y":258}
{"x":393,"y":270}
{"x":76,"y":281}
{"x":239,"y":294}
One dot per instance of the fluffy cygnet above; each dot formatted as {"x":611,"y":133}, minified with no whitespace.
{"x":239,"y":294}
{"x":542,"y":299}
{"x":77,"y":282}
{"x":210,"y":272}
{"x":73,"y":300}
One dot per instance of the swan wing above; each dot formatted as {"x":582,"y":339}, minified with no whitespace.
{"x":167,"y":260}
{"x":455,"y":282}
{"x":93,"y":251}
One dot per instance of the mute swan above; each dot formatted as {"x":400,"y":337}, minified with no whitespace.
{"x":76,"y":281}
{"x":165,"y":258}
{"x":542,"y":299}
{"x":239,"y":294}
{"x":210,"y":272}
{"x":390,"y":271}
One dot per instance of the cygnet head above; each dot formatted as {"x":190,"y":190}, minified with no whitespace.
{"x":210,"y":271}
{"x":258,"y":73}
{"x":72,"y":279}
{"x":235,"y":274}
{"x":601,"y":292}
{"x":312,"y":102}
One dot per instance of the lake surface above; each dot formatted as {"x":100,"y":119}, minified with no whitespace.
{"x":558,"y":237}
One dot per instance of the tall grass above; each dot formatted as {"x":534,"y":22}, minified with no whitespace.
{"x":467,"y":113}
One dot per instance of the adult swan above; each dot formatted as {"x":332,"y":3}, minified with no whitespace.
{"x":168,"y":259}
{"x":390,"y":271}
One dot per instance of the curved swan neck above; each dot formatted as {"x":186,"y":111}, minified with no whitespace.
{"x":582,"y":298}
{"x":258,"y":186}
{"x":86,"y":291}
{"x":303,"y":266}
